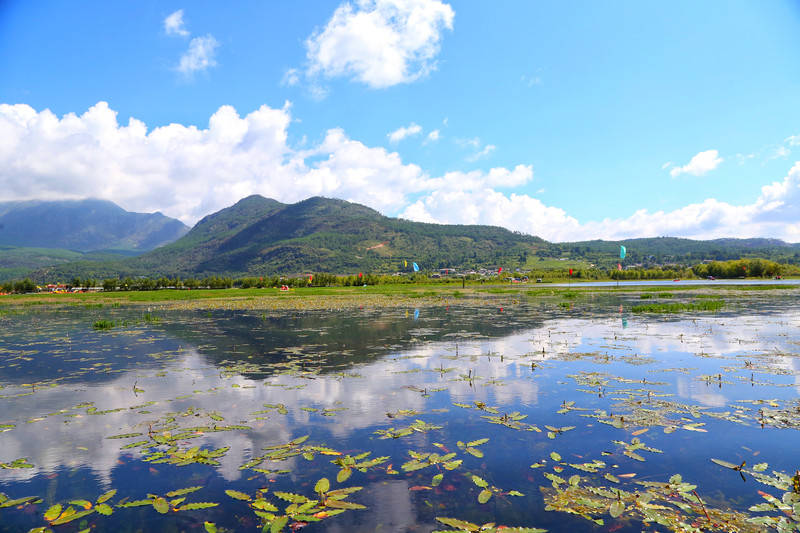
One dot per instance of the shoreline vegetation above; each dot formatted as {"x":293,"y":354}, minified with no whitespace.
{"x":660,"y":298}
{"x":734,"y":269}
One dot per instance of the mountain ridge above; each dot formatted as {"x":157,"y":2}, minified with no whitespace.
{"x":86,"y":225}
{"x":259,"y":236}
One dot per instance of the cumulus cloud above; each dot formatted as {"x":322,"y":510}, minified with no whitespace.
{"x":434,"y":135}
{"x":775,"y":213}
{"x":200,"y":55}
{"x":700,"y":164}
{"x":189,"y":171}
{"x":405,"y":131}
{"x":173,"y":24}
{"x":380,"y":42}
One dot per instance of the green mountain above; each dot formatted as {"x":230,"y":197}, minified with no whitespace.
{"x":258,"y":237}
{"x":83,"y":226}
{"x":673,"y":250}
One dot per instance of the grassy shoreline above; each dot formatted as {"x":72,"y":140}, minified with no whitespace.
{"x":371,"y":296}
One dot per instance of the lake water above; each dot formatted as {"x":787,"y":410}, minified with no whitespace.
{"x":221,"y":401}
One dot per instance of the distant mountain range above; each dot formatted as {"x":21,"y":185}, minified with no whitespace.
{"x":258,"y":236}
{"x":36,"y":234}
{"x":84,"y":226}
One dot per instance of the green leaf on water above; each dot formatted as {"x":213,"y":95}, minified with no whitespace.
{"x":290,"y":497}
{"x":194,"y":506}
{"x":343,"y":475}
{"x":161,"y":505}
{"x":616,"y":509}
{"x":264,"y":505}
{"x":437,"y":479}
{"x":484,"y":496}
{"x":104,"y":509}
{"x":211,"y":527}
{"x":53,"y":512}
{"x":474,"y":451}
{"x":760,"y":467}
{"x":278,"y":523}
{"x":726,"y":464}
{"x":86,"y":504}
{"x":340,"y":504}
{"x":135,"y":503}
{"x":125,"y":436}
{"x":72,"y":516}
{"x":480,"y":482}
{"x":236,"y":495}
{"x":462,"y":525}
{"x":106,"y":496}
{"x":323,"y":485}
{"x":555,"y":456}
{"x":182,"y":492}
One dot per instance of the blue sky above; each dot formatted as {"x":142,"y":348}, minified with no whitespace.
{"x":566,"y":120}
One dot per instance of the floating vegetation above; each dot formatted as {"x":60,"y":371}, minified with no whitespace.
{"x":103,"y":324}
{"x":16,"y":463}
{"x":278,"y":420}
{"x":490,"y":527}
{"x":679,"y":307}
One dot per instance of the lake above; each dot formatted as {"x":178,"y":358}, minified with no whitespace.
{"x":571,"y":414}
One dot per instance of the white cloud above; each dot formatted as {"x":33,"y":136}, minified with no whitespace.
{"x":405,"y":131}
{"x":531,"y":81}
{"x":793,"y":140}
{"x":488,"y":149}
{"x":475,"y":144}
{"x":434,"y":136}
{"x":780,"y":152}
{"x":666,"y":165}
{"x":290,"y":78}
{"x":775,"y":213}
{"x":190,"y":171}
{"x":200,"y":55}
{"x":700,"y":164}
{"x":380,"y":42}
{"x":173,"y":24}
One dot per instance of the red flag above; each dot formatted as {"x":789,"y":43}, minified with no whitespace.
{"x":570,"y":271}
{"x":619,"y":266}
{"x":360,"y":274}
{"x":499,"y":270}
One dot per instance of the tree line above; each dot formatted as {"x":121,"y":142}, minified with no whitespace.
{"x":718,"y":269}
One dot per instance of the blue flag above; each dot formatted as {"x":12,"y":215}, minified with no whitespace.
{"x":622,"y":252}
{"x":416,"y":268}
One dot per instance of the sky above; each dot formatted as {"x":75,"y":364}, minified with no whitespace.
{"x":566,"y":120}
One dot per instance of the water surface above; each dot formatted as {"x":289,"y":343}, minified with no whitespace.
{"x":211,"y":400}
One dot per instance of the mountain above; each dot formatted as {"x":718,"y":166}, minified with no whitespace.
{"x":84,"y":225}
{"x":259,"y":236}
{"x":666,"y":250}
